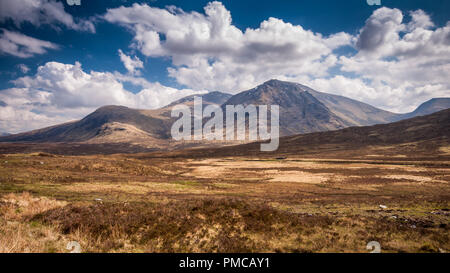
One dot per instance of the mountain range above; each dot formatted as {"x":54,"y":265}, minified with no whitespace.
{"x":418,"y":137}
{"x":302,"y":110}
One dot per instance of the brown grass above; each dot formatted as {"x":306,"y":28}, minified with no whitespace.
{"x":20,"y":235}
{"x":124,"y":203}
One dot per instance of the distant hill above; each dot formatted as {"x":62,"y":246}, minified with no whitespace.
{"x":429,"y":107}
{"x":116,"y":124}
{"x":91,"y":126}
{"x":214,"y":97}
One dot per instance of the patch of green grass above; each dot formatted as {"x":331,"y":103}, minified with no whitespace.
{"x":35,"y":224}
{"x":11,"y":188}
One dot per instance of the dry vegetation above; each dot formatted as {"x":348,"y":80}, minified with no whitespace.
{"x":144,"y":203}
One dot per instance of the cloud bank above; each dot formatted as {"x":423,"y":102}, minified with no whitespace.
{"x":398,"y":64}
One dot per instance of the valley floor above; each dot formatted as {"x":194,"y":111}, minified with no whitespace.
{"x":140,"y":203}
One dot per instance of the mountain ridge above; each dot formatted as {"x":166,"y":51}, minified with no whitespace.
{"x":302,"y":110}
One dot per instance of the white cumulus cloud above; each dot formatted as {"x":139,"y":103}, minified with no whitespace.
{"x":401,"y":63}
{"x":209,"y":52}
{"x":131,"y":64}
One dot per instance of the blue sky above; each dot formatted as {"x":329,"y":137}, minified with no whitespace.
{"x":323,"y":16}
{"x":393,"y":56}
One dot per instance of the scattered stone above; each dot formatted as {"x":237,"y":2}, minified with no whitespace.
{"x":442,"y":250}
{"x":394,"y":217}
{"x":98,"y":200}
{"x":42,"y":163}
{"x":413,"y":226}
{"x":383,"y":207}
{"x":439,"y":213}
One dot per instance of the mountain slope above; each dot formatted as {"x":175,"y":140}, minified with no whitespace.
{"x":116,"y":124}
{"x":164,"y":113}
{"x":300,"y":111}
{"x":352,"y":111}
{"x":91,"y":126}
{"x":214,"y":97}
